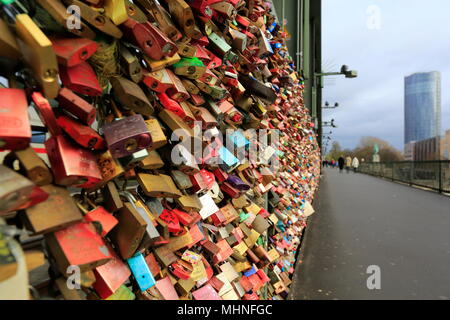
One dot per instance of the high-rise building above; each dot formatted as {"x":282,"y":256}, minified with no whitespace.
{"x":422,"y":106}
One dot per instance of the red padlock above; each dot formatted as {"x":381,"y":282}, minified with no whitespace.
{"x":81,"y":79}
{"x":73,"y":51}
{"x":171,"y":105}
{"x":147,"y":37}
{"x":158,"y":81}
{"x":83,"y":135}
{"x":71,"y":165}
{"x":77,"y":106}
{"x":15,"y":132}
{"x":171,"y":220}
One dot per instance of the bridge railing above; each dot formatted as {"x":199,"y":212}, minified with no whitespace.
{"x":429,"y":174}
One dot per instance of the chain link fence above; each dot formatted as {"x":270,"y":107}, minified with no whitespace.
{"x":429,"y":174}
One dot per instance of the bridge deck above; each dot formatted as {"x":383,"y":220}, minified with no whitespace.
{"x":362,"y":220}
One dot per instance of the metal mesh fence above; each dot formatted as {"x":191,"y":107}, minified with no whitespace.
{"x":430,"y":174}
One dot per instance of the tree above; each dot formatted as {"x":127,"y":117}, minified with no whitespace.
{"x":386,"y":151}
{"x":335,"y":152}
{"x":364,"y":150}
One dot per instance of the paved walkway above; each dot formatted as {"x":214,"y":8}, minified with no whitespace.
{"x":360,"y":221}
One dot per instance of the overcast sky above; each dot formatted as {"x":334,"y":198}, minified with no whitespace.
{"x":413,"y":36}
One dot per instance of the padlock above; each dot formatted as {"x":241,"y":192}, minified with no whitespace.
{"x":131,"y":96}
{"x":116,"y":10}
{"x":207,"y":119}
{"x":57,"y":212}
{"x":224,"y":8}
{"x":110,"y":168}
{"x":149,"y":39}
{"x":151,"y":235}
{"x":216,"y":92}
{"x":81,"y":79}
{"x":126,"y":135}
{"x":110,"y":276}
{"x":96,"y":18}
{"x":155,"y":65}
{"x":158,"y":81}
{"x":152,"y":162}
{"x":141,"y":272}
{"x":162,"y":18}
{"x":112,"y":201}
{"x":83,"y":135}
{"x":165,"y":256}
{"x":181,"y":269}
{"x":159,"y":139}
{"x":184,"y":17}
{"x":64,"y":246}
{"x":30,"y":165}
{"x":173,"y":224}
{"x":186,"y":218}
{"x":203,"y":7}
{"x":77,"y":106}
{"x":190,"y":86}
{"x":133,"y":160}
{"x":135,"y":13}
{"x":197,"y":99}
{"x":70,"y":52}
{"x":71,"y":165}
{"x":153,"y":265}
{"x":15,"y":190}
{"x":185,"y":49}
{"x":130,"y":65}
{"x":60,"y":14}
{"x":158,"y":185}
{"x":100,"y":215}
{"x":176,"y":124}
{"x":181,"y":179}
{"x":38,"y":54}
{"x":192,"y":68}
{"x":15,"y":132}
{"x":177,"y":92}
{"x":129,"y":232}
{"x":239,"y":39}
{"x":208,"y":206}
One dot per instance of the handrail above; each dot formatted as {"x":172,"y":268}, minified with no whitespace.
{"x":432,"y":174}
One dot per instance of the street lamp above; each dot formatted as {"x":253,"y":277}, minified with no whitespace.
{"x":329,"y":124}
{"x":327,"y":105}
{"x":344,"y":70}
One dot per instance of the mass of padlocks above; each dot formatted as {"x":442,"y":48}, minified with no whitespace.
{"x":151,"y":183}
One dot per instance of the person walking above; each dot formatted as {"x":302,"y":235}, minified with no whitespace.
{"x":341,"y":163}
{"x":348,"y":163}
{"x":355,"y":164}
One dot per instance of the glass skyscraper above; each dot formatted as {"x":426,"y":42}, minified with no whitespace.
{"x":422,"y":106}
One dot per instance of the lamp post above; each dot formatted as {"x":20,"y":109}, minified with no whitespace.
{"x":344,"y":71}
{"x":327,"y":105}
{"x":329,"y":124}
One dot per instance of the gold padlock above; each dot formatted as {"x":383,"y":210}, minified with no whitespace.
{"x":30,"y":165}
{"x":130,"y":65}
{"x":159,"y":139}
{"x":116,"y":10}
{"x":38,"y":53}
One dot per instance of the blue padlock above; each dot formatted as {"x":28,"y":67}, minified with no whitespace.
{"x":141,"y":272}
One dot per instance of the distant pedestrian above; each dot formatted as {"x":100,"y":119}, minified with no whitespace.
{"x":355,"y":164}
{"x":341,"y":163}
{"x":348,"y":163}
